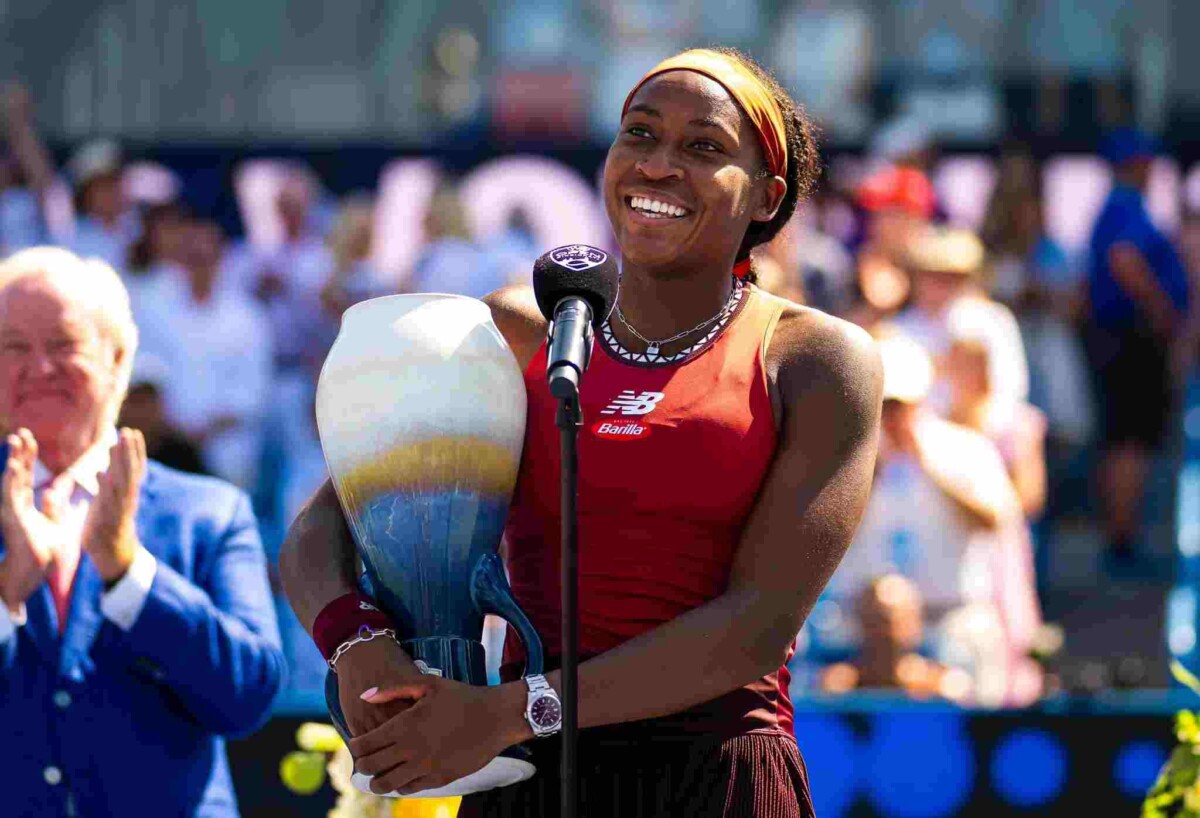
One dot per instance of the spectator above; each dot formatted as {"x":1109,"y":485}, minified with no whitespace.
{"x":287,"y":280}
{"x":105,"y":227}
{"x":1034,"y":276}
{"x":897,"y":204}
{"x":353,"y":276}
{"x":514,"y":251}
{"x":27,"y":175}
{"x":155,"y":267}
{"x":946,"y":265}
{"x":889,"y":613}
{"x":941,"y":504}
{"x":136,"y":628}
{"x":1138,"y":298}
{"x":219,"y":355}
{"x":824,"y":269}
{"x":883,"y":287}
{"x":143,"y":410}
{"x":451,"y":262}
{"x":1017,"y":429}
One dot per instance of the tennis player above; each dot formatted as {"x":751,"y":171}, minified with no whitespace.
{"x":726,"y":460}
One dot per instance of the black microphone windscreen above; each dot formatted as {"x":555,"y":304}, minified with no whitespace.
{"x":576,"y":270}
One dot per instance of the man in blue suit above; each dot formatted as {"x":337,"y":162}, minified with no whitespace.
{"x":137,"y":626}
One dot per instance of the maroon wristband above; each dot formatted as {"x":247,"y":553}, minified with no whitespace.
{"x":342,"y":619}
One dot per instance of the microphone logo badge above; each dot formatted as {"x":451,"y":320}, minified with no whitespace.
{"x":578,"y":257}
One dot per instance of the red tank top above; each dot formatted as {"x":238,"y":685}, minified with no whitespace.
{"x":671,"y":460}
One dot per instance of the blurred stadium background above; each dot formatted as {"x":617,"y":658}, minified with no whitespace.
{"x":296,"y":156}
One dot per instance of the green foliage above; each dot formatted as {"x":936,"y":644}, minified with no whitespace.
{"x":1176,"y":792}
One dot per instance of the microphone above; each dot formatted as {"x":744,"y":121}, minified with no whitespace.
{"x":576,"y":288}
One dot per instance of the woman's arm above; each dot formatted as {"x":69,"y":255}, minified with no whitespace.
{"x":317,"y":561}
{"x":1028,"y":470}
{"x":24,"y":141}
{"x":966,"y":467}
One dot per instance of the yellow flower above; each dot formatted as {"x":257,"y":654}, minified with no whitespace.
{"x":425,"y":807}
{"x":318,"y":738}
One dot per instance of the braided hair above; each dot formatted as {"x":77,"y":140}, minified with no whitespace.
{"x":804,"y":162}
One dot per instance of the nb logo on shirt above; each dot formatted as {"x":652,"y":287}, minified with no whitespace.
{"x":630,"y":403}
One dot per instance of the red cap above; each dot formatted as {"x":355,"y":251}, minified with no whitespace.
{"x":895,"y":188}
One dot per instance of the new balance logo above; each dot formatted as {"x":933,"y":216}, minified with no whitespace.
{"x":366,"y":606}
{"x":631,"y":403}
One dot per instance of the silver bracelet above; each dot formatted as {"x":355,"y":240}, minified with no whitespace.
{"x":365,"y":634}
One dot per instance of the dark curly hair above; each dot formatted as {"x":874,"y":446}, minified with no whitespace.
{"x":804,"y":161}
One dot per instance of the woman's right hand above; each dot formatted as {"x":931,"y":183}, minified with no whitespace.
{"x":29,"y":535}
{"x":377,"y":663}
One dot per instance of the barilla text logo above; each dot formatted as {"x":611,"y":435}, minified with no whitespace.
{"x":628,"y":404}
{"x":620,"y":429}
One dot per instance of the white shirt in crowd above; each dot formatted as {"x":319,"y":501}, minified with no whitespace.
{"x":460,"y":267}
{"x":123,"y":603}
{"x":299,"y":325}
{"x":21,"y":222}
{"x":220,"y":357}
{"x":981,"y":319}
{"x":93,"y":240}
{"x":912,"y":527}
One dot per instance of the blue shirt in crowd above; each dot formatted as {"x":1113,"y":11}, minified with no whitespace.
{"x":1124,"y":220}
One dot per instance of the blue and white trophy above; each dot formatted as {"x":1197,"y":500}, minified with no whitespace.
{"x":421,"y":411}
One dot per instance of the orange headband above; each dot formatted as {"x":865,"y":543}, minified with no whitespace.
{"x":743,"y":86}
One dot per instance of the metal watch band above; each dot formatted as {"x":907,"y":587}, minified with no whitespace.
{"x":537,"y":683}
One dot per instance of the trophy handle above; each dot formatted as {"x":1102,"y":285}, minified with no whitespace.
{"x":492,"y":595}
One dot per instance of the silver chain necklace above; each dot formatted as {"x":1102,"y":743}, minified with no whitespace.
{"x":653,"y":347}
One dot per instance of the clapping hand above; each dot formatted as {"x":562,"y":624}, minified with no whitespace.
{"x":31,"y":539}
{"x":110,"y":532}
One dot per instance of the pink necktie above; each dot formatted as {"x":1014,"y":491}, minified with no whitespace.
{"x":61,"y":574}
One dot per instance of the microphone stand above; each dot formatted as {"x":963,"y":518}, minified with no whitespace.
{"x":568,"y":419}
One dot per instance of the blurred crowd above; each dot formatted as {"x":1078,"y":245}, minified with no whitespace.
{"x":1007,"y":362}
{"x":1006,"y":358}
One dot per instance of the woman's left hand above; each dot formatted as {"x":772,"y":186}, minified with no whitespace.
{"x":451,"y":730}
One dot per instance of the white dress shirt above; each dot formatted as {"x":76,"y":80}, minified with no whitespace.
{"x":220,"y":357}
{"x":123,"y":603}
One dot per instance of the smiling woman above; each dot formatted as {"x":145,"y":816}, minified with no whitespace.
{"x":725,"y":464}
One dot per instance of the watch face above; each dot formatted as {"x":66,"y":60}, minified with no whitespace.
{"x":546,"y":712}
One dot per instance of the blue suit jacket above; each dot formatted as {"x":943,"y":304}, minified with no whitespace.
{"x":108,"y":722}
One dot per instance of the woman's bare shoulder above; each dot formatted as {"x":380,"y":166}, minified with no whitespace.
{"x":516,"y":314}
{"x":812,"y":351}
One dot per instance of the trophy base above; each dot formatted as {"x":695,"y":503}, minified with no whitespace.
{"x":499,"y":772}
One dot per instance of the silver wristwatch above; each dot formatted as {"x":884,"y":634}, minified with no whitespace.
{"x":543,"y":709}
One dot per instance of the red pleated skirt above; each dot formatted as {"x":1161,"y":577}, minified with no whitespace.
{"x":630,"y":772}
